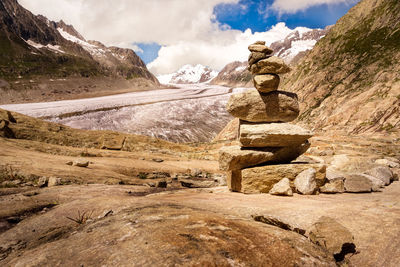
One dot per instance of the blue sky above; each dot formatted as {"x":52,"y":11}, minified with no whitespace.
{"x":257,"y":16}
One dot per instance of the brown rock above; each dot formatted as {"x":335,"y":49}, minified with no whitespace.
{"x":261,"y":179}
{"x":260,"y":48}
{"x":253,"y":106}
{"x":355,"y":183}
{"x":334,"y":186}
{"x":230,"y":131}
{"x":269,"y":65}
{"x":266,"y":83}
{"x":255,"y":57}
{"x":272,"y":135}
{"x":235,"y":157}
{"x":333,"y":236}
{"x":112,"y":141}
{"x":260,"y":42}
{"x":54,"y":181}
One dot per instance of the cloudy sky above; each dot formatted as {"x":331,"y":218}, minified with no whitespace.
{"x":167,"y":34}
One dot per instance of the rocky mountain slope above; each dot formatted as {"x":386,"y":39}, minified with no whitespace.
{"x":291,"y":49}
{"x":351,"y":79}
{"x":32,"y":46}
{"x":189,"y":74}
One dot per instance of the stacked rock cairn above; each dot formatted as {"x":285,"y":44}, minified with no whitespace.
{"x":265,"y":136}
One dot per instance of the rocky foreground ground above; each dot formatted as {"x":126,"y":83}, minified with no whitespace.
{"x":141,"y":201}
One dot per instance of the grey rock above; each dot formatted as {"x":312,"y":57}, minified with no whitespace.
{"x":282,"y":188}
{"x":253,"y":106}
{"x":272,"y":134}
{"x":80,"y":162}
{"x":355,"y":183}
{"x":333,"y":236}
{"x":305,"y":182}
{"x":376,"y":183}
{"x":382,"y":173}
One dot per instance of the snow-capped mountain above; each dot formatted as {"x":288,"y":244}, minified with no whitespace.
{"x":38,"y":46}
{"x":297,"y":42}
{"x":292,"y":48}
{"x":189,"y":74}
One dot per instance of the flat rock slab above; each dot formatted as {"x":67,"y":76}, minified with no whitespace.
{"x":261,"y":179}
{"x":261,"y":48}
{"x":253,"y":106}
{"x":235,"y":157}
{"x":274,"y":65}
{"x":266,"y":83}
{"x":272,"y":135}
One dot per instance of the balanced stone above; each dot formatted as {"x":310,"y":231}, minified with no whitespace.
{"x":266,"y":83}
{"x":254,"y":57}
{"x":261,"y":179}
{"x":270,"y":65}
{"x":253,"y":106}
{"x":235,"y":157}
{"x":260,"y":48}
{"x":272,"y":135}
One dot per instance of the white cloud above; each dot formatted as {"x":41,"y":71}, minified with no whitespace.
{"x":293,"y":6}
{"x":186,"y":29}
{"x":216,"y":52}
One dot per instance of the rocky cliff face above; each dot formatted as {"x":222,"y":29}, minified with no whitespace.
{"x":234,"y":74}
{"x":33,"y":46}
{"x":291,"y":49}
{"x":351,"y":79}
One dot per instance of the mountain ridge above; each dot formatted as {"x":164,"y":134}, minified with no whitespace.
{"x":34,"y":46}
{"x":350,"y":81}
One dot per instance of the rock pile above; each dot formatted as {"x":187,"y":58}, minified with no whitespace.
{"x":265,"y":136}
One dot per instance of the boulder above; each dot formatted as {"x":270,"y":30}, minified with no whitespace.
{"x":305,"y":182}
{"x":261,"y":48}
{"x":235,"y":157}
{"x":261,"y":179}
{"x":333,"y":236}
{"x":376,"y":183}
{"x":388,"y":163}
{"x":272,"y":135}
{"x":253,"y":106}
{"x":382,"y":173}
{"x":355,"y":183}
{"x":282,"y":188}
{"x":272,"y":64}
{"x":80,"y":162}
{"x":334,"y":186}
{"x":266,"y":83}
{"x":53,"y":181}
{"x":256,"y":56}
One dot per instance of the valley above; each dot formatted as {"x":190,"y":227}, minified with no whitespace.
{"x":191,"y":113}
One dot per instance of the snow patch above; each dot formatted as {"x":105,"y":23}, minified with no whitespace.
{"x":92,"y":49}
{"x":240,"y":68}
